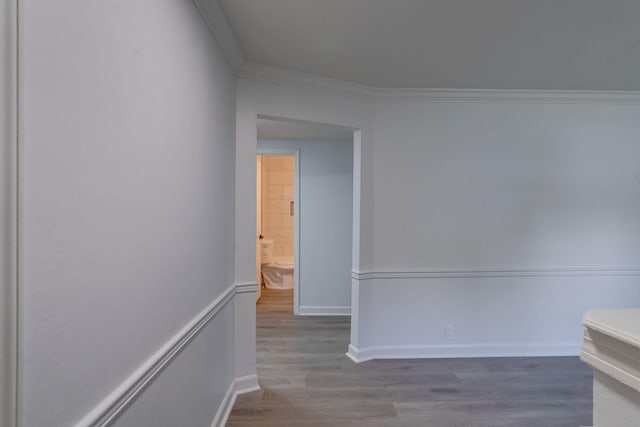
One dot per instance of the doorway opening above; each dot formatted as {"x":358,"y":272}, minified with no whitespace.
{"x":304,"y":215}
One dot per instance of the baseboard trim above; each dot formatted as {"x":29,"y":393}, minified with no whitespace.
{"x":241,"y":385}
{"x":308,"y":310}
{"x":247,"y":384}
{"x":224,"y":410}
{"x":461,"y":351}
{"x":117,"y":402}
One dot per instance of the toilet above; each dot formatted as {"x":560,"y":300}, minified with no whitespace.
{"x":277,"y":272}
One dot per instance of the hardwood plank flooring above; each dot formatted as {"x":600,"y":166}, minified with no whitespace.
{"x":307,"y":380}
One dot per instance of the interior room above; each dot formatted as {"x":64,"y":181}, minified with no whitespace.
{"x":276,"y":215}
{"x":476,"y":161}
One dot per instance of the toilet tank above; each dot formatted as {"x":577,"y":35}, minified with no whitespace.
{"x":266,"y":251}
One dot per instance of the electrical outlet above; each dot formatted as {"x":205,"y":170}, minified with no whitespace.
{"x":449,"y":332}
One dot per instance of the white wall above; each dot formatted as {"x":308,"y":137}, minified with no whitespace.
{"x":326,"y":215}
{"x":129,"y":111}
{"x":505,"y":216}
{"x":495,"y":186}
{"x":515,"y":315}
{"x":189,"y":391}
{"x":505,"y":220}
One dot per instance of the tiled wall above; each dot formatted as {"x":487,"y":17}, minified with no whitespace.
{"x":277,"y":195}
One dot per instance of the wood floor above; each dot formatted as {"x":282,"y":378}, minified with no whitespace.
{"x":308,"y":381}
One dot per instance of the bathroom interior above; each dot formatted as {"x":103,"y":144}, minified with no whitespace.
{"x":275,"y":220}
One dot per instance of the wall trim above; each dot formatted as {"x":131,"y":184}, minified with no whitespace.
{"x":246,"y":287}
{"x":240,"y":385}
{"x":214,"y":17}
{"x":246,"y":384}
{"x":119,"y":399}
{"x":461,"y":351}
{"x":222,"y":415}
{"x":536,"y":272}
{"x":310,"y":310}
{"x":270,"y":74}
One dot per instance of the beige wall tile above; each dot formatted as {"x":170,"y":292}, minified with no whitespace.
{"x":289,"y":163}
{"x":288,"y":221}
{"x":287,"y":192}
{"x":277,"y":207}
{"x":281,"y":177}
{"x":275,"y":220}
{"x":277,"y":193}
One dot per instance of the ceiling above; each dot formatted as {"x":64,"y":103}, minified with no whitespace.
{"x":273,"y":128}
{"x":455,"y":44}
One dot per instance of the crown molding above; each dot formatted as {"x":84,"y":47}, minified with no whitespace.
{"x":267,"y":73}
{"x":214,"y":16}
{"x":282,"y":76}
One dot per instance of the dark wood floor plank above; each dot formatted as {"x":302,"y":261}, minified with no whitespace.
{"x":307,"y":380}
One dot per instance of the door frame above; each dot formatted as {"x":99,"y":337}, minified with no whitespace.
{"x":258,"y":225}
{"x":296,"y":216}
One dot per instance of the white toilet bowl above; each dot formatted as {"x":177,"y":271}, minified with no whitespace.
{"x":278,"y":274}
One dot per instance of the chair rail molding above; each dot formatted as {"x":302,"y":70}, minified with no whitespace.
{"x":502,"y":272}
{"x":117,"y":401}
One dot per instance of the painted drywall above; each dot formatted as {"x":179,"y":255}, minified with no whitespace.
{"x":129,"y":111}
{"x":506,"y":186}
{"x":489,"y":316}
{"x":454,"y":194}
{"x":195,"y":389}
{"x":326,"y":215}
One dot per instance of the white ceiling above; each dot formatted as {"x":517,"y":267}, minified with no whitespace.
{"x":272,"y":128}
{"x":480,"y":44}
